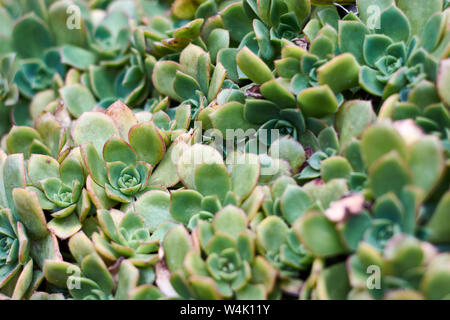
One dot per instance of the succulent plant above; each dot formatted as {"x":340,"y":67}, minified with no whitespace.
{"x":122,"y":176}
{"x":281,"y":247}
{"x":117,"y":175}
{"x":239,"y":149}
{"x":198,"y":166}
{"x":14,"y":255}
{"x":38,"y":75}
{"x":9,"y":92}
{"x":231,"y":267}
{"x":25,"y":240}
{"x":190,"y":79}
{"x":424,"y":105}
{"x":109,"y":37}
{"x":129,"y":238}
{"x":396,"y":57}
{"x":128,"y":79}
{"x":390,"y":213}
{"x":48,"y":137}
{"x":60,"y":190}
{"x":425,"y":277}
{"x":90,"y":278}
{"x":292,"y":99}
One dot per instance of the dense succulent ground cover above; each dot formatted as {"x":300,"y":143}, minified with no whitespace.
{"x":237,"y":149}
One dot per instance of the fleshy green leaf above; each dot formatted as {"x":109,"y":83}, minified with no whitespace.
{"x":272,"y":233}
{"x":352,"y":118}
{"x":341,"y":73}
{"x":319,"y":235}
{"x":351,"y":38}
{"x":176,"y":244}
{"x":77,"y":99}
{"x":230,"y":117}
{"x":153,"y":207}
{"x":380,"y":139}
{"x":212,"y":179}
{"x":41,"y":167}
{"x":395,"y":24}
{"x":231,"y":221}
{"x":65,"y":227}
{"x":244,"y":174}
{"x":294,"y":203}
{"x":94,"y":127}
{"x":335,"y":168}
{"x":418,"y":12}
{"x":439,"y":225}
{"x":253,"y":67}
{"x":389,"y":167}
{"x":236,"y":21}
{"x":318,"y":101}
{"x":276,"y":92}
{"x":147,"y":142}
{"x":184,"y":204}
{"x":426,"y":163}
{"x":116,"y":149}
{"x":35,"y":45}
{"x":30,"y":212}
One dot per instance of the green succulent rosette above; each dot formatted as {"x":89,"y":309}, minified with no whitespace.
{"x":130,"y":239}
{"x":14,"y":254}
{"x":117,"y":176}
{"x":400,"y":277}
{"x":60,"y":191}
{"x":91,"y":279}
{"x":231,"y":266}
